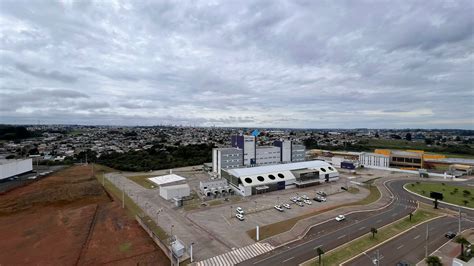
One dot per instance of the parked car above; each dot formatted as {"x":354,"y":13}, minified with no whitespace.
{"x":340,"y":218}
{"x":450,"y":235}
{"x":323,"y":199}
{"x":294,"y":199}
{"x":239,"y":216}
{"x":318,"y":199}
{"x":239,"y":210}
{"x":299,"y":203}
{"x":278,"y":208}
{"x":286,"y":205}
{"x":308,"y":202}
{"x":305,"y":197}
{"x":321,"y":193}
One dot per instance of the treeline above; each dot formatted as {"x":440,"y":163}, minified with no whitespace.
{"x":16,"y":132}
{"x":156,"y":158}
{"x":462,"y":149}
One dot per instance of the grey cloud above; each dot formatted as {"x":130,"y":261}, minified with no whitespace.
{"x":238,"y":63}
{"x":41,"y":73}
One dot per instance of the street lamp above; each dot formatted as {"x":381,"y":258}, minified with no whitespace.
{"x":191,"y":251}
{"x":172,"y":232}
{"x":255,"y":206}
{"x":230,"y":211}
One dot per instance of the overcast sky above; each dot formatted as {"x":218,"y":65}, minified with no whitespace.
{"x":306,"y":64}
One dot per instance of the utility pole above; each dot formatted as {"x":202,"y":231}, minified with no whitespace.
{"x":123,"y":197}
{"x":378,"y":258}
{"x":426,"y":244}
{"x":459,"y":224}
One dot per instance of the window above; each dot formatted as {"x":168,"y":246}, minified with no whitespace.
{"x":260,"y":178}
{"x":248,"y":180}
{"x":330,"y":168}
{"x":272,"y":177}
{"x":322,"y":169}
{"x":281,"y":175}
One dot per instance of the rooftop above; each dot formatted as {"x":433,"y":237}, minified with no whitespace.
{"x":277,"y":168}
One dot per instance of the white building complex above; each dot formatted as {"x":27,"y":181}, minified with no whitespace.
{"x":261,"y":179}
{"x":10,"y":168}
{"x":244,"y":153}
{"x":368,"y":159}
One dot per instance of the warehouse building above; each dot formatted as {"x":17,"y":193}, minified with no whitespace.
{"x":245,"y":152}
{"x":261,"y":179}
{"x":175,"y":191}
{"x":11,"y":168}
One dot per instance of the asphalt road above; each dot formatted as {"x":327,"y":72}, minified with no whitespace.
{"x":411,"y":246}
{"x":332,"y":234}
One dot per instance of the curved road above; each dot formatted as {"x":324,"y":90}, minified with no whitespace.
{"x":331,"y":234}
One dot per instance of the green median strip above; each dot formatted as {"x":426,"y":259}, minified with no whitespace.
{"x":286,"y":225}
{"x":356,"y":247}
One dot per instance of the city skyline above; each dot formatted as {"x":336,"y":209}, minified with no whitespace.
{"x":238,"y":64}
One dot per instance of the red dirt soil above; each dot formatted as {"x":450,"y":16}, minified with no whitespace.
{"x":68,"y":219}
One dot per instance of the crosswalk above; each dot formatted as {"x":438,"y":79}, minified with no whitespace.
{"x":238,"y":255}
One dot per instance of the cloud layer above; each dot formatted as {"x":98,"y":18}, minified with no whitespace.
{"x":307,"y":64}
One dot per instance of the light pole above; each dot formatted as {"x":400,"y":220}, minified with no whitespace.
{"x":278,"y":200}
{"x":172,"y":232}
{"x":191,"y":251}
{"x":255,"y":206}
{"x":230,"y":211}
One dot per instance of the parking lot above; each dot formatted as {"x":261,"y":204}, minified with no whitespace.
{"x":259,"y":210}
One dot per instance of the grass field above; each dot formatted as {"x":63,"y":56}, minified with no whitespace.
{"x":143,"y":181}
{"x":451,"y":194}
{"x":343,"y":253}
{"x":283,"y":226}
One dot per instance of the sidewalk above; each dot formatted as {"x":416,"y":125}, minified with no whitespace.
{"x":303,"y":226}
{"x":451,"y":250}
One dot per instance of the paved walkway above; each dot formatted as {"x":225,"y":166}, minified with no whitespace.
{"x":238,"y":255}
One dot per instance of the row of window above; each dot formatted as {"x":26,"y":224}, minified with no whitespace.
{"x":261,"y":178}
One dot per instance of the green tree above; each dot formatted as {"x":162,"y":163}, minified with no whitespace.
{"x":466,"y":193}
{"x":320,"y":253}
{"x":465,"y":202}
{"x":410,"y":215}
{"x":463,"y":241}
{"x":436,"y":196}
{"x":433,"y":261}
{"x":373,"y":230}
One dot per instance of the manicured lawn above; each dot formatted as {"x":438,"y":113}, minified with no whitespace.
{"x":452,"y":194}
{"x":343,"y":253}
{"x":283,"y":226}
{"x":143,"y":181}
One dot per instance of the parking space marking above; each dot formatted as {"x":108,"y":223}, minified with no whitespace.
{"x":341,"y":236}
{"x":288,"y":259}
{"x":399,"y":247}
{"x":416,"y":237}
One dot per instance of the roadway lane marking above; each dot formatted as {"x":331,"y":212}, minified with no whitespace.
{"x":393,"y":215}
{"x":400,"y":247}
{"x":416,"y":237}
{"x":289,"y":259}
{"x":341,"y":236}
{"x":317,"y":247}
{"x":363,"y":227}
{"x":378,"y":221}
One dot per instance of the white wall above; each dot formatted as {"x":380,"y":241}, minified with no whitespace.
{"x":15,"y":167}
{"x":173,"y":191}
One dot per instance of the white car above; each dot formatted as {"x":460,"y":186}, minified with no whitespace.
{"x":294,"y":199}
{"x":321,"y":193}
{"x":307,"y":202}
{"x":323,"y":199}
{"x":305,"y":197}
{"x":286,"y":205}
{"x":278,"y":207}
{"x":240,"y":217}
{"x":299,"y":203}
{"x":340,"y":218}
{"x":239,"y":211}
